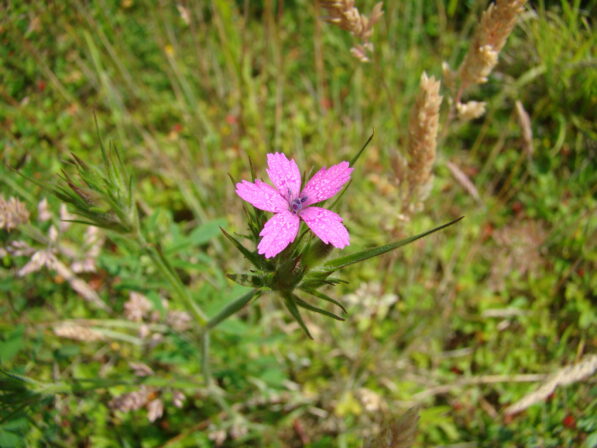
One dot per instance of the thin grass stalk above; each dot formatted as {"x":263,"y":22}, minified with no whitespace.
{"x":169,"y":274}
{"x":205,"y":369}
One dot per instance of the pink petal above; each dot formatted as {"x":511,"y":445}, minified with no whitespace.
{"x":326,"y":183}
{"x":262,"y":196}
{"x":284,"y":174}
{"x":327,"y":225}
{"x":278,"y":232}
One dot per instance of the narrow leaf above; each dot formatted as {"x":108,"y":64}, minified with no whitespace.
{"x":199,"y":236}
{"x":291,"y":305}
{"x":340,"y":195}
{"x":257,"y":261}
{"x":351,"y":163}
{"x":306,"y":305}
{"x":358,"y":154}
{"x":341,"y":262}
{"x":322,"y":296}
{"x":232,"y":308}
{"x":252,"y":169}
{"x":206,"y":232}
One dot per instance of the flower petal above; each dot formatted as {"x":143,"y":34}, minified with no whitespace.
{"x":326,"y":183}
{"x":278,"y":232}
{"x":327,"y":225}
{"x":262,"y":196}
{"x":284,"y":174}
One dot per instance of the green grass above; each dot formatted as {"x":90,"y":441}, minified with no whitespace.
{"x":508,"y":291}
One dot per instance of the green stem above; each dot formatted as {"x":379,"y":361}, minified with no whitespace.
{"x":228,"y":311}
{"x":205,"y":357}
{"x":162,"y":264}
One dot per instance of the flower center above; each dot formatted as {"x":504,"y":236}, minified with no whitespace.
{"x":296,"y":205}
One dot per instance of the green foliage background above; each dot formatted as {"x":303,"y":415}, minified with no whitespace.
{"x":508,"y":291}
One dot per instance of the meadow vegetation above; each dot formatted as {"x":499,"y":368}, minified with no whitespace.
{"x":485,"y":330}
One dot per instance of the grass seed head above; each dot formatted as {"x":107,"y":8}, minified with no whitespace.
{"x":13,"y":213}
{"x":489,"y":39}
{"x":345,"y":15}
{"x":136,"y":307}
{"x":422,"y":130}
{"x":77,"y":333}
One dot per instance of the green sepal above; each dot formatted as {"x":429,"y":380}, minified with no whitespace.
{"x":317,"y":252}
{"x":256,"y":219}
{"x":339,"y":263}
{"x":316,"y":280}
{"x":251,"y":280}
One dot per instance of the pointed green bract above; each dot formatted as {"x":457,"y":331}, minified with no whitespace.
{"x":303,"y":304}
{"x":256,"y":260}
{"x":255,"y":281}
{"x":317,"y":279}
{"x":289,"y":301}
{"x":322,"y":296}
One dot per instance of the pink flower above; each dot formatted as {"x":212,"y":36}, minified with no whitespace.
{"x":290,"y":204}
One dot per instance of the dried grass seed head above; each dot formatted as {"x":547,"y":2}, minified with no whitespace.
{"x":155,"y":409}
{"x":77,"y":333}
{"x":136,"y":307}
{"x":490,"y":36}
{"x":132,"y":401}
{"x":470,"y":110}
{"x":13,"y":213}
{"x":422,"y":129}
{"x":344,"y":14}
{"x":38,"y":260}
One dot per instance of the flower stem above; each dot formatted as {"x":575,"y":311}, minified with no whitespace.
{"x":168,"y":272}
{"x":205,"y":357}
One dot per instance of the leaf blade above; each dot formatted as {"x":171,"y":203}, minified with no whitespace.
{"x":342,"y":262}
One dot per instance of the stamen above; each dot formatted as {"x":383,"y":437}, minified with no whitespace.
{"x":296,"y":205}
